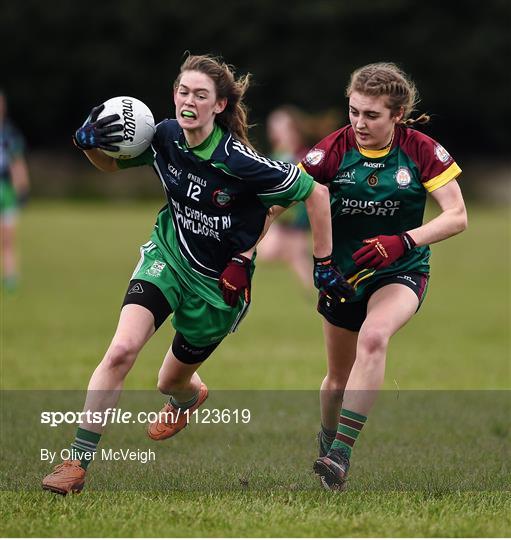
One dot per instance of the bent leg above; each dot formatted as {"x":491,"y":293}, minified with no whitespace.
{"x":177,"y":376}
{"x":388,"y":309}
{"x":178,"y":379}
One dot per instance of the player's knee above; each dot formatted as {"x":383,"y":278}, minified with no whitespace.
{"x":121,"y":355}
{"x":334,"y":383}
{"x":372,"y":341}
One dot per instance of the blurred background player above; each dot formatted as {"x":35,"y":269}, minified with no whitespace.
{"x":14,"y":188}
{"x":379,"y":171}
{"x":288,"y":239}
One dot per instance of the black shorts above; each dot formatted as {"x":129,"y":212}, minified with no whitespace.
{"x":351,"y":315}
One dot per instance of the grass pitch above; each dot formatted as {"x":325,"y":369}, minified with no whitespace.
{"x":427,"y":463}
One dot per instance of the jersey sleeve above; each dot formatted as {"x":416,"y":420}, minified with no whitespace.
{"x":274,"y":182}
{"x":323,"y":160}
{"x":436,"y":165}
{"x":148,"y":156}
{"x":145,"y":158}
{"x":298,"y":191}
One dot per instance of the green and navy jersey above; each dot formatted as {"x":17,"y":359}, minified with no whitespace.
{"x":11,"y":148}
{"x":378,"y":192}
{"x":218,"y":195}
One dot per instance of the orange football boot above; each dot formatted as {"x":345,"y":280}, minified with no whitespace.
{"x":172,"y":421}
{"x":68,"y":477}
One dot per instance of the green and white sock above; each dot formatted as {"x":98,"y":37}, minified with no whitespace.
{"x":348,"y":430}
{"x":184,"y":405}
{"x":84,"y":446}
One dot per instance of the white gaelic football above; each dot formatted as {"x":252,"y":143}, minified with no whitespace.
{"x":138,"y":126}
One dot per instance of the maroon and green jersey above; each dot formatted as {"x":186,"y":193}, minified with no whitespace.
{"x":375,"y":192}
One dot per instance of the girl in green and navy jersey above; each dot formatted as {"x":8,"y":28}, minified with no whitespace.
{"x":198,"y":262}
{"x":14,"y":187}
{"x":379,"y":171}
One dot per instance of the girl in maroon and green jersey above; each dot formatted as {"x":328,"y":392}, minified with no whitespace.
{"x":379,"y":171}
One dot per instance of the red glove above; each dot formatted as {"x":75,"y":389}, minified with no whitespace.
{"x":382,"y":251}
{"x":235,"y":279}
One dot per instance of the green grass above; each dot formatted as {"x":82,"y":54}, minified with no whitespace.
{"x":271,"y":513}
{"x":445,"y":476}
{"x":77,"y":260}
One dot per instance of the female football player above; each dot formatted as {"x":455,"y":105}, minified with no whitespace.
{"x":379,"y":170}
{"x":14,"y":188}
{"x":198,"y":263}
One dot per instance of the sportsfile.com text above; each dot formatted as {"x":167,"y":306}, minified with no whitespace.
{"x":118,"y":416}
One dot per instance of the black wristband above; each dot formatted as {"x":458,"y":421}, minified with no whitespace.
{"x":408,"y":241}
{"x":322,"y":260}
{"x":241,"y":260}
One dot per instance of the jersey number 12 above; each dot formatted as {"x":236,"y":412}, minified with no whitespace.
{"x":193,"y":191}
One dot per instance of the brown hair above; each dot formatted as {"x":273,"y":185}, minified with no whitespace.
{"x":234,"y":117}
{"x":387,"y":79}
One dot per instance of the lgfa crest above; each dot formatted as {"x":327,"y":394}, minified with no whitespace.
{"x":442,"y":154}
{"x":315,"y":156}
{"x":403,"y":177}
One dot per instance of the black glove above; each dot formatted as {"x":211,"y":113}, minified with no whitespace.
{"x":330,"y":280}
{"x":95,"y":133}
{"x":235,"y":279}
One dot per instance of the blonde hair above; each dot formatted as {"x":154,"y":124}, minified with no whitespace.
{"x":388,"y":80}
{"x":234,"y":117}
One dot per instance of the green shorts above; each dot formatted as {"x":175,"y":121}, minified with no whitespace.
{"x":200,"y":323}
{"x":8,"y":200}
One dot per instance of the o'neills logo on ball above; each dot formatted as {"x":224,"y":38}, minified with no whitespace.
{"x":128,"y":119}
{"x":315,"y":156}
{"x":222,"y":198}
{"x":403,"y":177}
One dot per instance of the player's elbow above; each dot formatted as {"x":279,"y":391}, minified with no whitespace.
{"x":319,"y":192}
{"x":461,"y":219}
